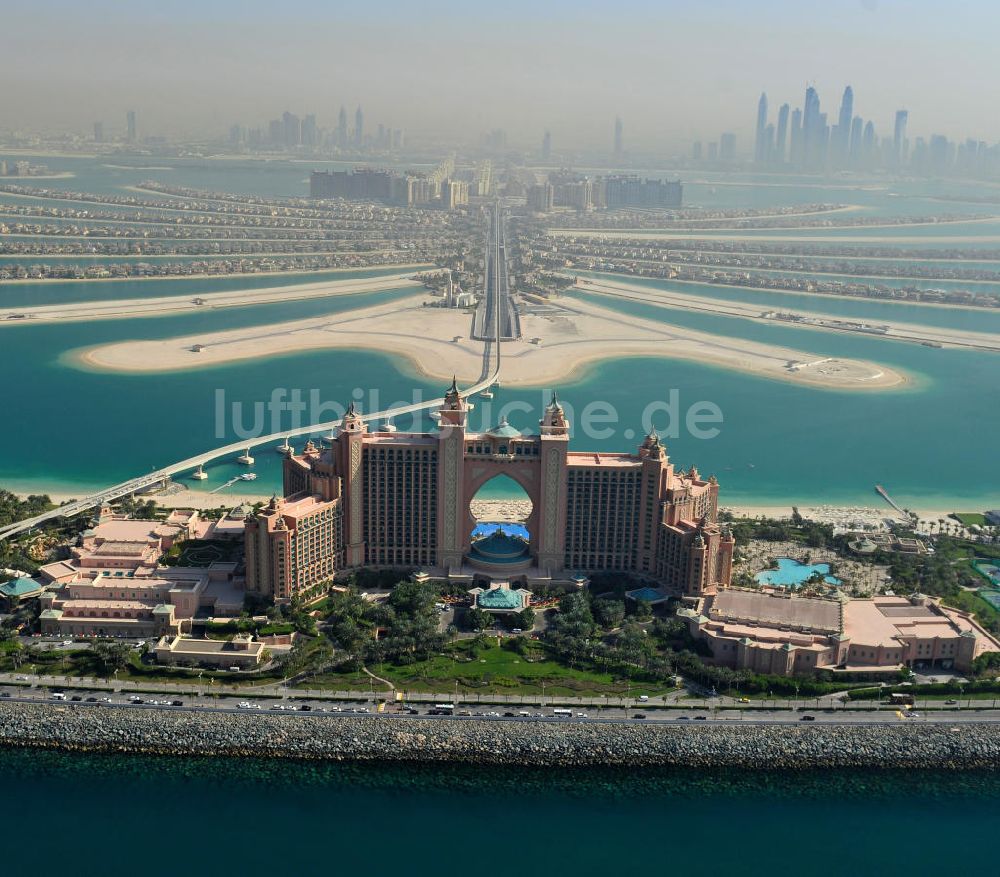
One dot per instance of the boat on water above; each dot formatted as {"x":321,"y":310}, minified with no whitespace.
{"x":248,"y":476}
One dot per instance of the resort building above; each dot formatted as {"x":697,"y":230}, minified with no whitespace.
{"x":781,"y":633}
{"x":500,"y":598}
{"x":242,"y":652}
{"x":13,"y":592}
{"x":110,"y":604}
{"x":403,"y":499}
{"x":121,"y":547}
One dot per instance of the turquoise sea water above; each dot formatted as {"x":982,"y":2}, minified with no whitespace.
{"x":111,"y":815}
{"x":933,"y":441}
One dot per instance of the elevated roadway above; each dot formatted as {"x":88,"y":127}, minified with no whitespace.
{"x":489,"y":376}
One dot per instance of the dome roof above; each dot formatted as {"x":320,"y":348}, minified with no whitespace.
{"x":504,"y":430}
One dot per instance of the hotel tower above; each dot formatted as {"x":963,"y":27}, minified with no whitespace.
{"x":385,"y":499}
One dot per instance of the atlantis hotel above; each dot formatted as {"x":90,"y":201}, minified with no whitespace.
{"x":385,"y":499}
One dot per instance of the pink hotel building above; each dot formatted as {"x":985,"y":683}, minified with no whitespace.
{"x":403,"y":499}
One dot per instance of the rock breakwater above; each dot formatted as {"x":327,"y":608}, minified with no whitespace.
{"x":383,"y":738}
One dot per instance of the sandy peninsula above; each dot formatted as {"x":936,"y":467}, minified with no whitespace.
{"x":893,"y":329}
{"x":558,"y":340}
{"x":114,"y":309}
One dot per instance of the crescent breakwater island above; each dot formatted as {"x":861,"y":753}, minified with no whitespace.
{"x":558,"y":338}
{"x":745,"y":745}
{"x":173,"y":304}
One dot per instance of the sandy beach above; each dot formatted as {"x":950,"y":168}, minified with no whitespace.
{"x":515,"y":510}
{"x":114,"y":309}
{"x":559,"y":341}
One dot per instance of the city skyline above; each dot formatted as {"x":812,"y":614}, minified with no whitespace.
{"x":607,"y":68}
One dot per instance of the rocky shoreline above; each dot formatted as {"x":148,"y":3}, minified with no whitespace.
{"x":383,"y":738}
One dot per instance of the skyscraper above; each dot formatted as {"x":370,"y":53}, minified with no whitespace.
{"x":131,"y":134}
{"x":811,"y":125}
{"x":759,"y":155}
{"x":795,"y":147}
{"x":854,"y":144}
{"x":98,"y":132}
{"x":342,"y":128}
{"x":899,"y":138}
{"x":618,"y":137}
{"x":546,"y":146}
{"x":781,"y":134}
{"x":359,"y":127}
{"x":868,"y":144}
{"x":310,"y":133}
{"x":727,"y":147}
{"x":292,"y":130}
{"x":844,"y":120}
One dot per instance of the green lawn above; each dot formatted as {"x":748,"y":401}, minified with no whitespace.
{"x":969,"y":518}
{"x":494,"y":670}
{"x":969,"y":601}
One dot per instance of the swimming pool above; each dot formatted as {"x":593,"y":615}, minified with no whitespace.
{"x":484,"y":528}
{"x":790,"y":573}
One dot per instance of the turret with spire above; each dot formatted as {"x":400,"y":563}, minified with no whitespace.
{"x":652,"y":447}
{"x":454,"y":409}
{"x":352,"y":421}
{"x":554,"y":420}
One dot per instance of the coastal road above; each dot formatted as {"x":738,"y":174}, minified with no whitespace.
{"x":357,"y":707}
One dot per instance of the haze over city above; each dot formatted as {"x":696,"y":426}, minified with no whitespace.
{"x":675,"y":72}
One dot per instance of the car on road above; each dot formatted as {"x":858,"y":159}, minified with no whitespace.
{"x":639,"y":716}
{"x":700,"y":718}
{"x":807,"y":718}
{"x":4,"y":694}
{"x":90,"y":700}
{"x":509,"y":716}
{"x":951,"y":702}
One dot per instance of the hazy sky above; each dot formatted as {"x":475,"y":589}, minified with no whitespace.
{"x":674,"y":71}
